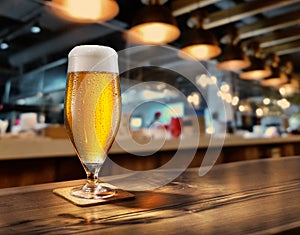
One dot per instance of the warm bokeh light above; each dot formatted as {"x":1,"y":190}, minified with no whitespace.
{"x":259,"y":112}
{"x":245,"y":107}
{"x":233,"y":65}
{"x":235,"y":100}
{"x":255,"y":74}
{"x":233,"y":58}
{"x":284,"y":103}
{"x":214,"y":80}
{"x":266,"y":101}
{"x":203,"y":80}
{"x":225,"y":87}
{"x":200,"y":51}
{"x":288,"y":89}
{"x":210,"y":130}
{"x":258,"y":69}
{"x":228,"y":97}
{"x":154,"y":33}
{"x":242,"y":108}
{"x":85,"y":11}
{"x":273,"y":82}
{"x":194,"y":99}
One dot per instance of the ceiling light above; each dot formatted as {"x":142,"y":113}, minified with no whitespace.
{"x":87,"y":11}
{"x":277,"y":76}
{"x":35,"y":29}
{"x":256,"y":71}
{"x":153,"y":24}
{"x":292,"y":85}
{"x":199,"y":43}
{"x":4,"y":45}
{"x":258,"y":68}
{"x":276,"y":79}
{"x":232,"y":58}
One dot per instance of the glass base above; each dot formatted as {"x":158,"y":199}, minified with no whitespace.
{"x":98,"y":191}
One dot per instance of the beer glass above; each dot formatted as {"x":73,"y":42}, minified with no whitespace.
{"x":92,"y":112}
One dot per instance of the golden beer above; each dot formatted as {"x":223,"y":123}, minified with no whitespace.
{"x":92,"y":112}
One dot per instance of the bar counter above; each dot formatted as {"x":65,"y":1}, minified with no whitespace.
{"x":56,"y":160}
{"x":43,"y":147}
{"x":249,"y":197}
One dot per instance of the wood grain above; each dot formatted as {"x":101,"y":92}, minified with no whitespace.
{"x":252,"y":197}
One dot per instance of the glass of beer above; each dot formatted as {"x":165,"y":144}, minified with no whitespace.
{"x":92,"y":112}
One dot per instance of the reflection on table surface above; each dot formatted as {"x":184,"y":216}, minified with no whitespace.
{"x":250,"y":197}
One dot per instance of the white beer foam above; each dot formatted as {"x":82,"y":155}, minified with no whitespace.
{"x":93,"y":58}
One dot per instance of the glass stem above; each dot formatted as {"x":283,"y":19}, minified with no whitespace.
{"x":92,"y":181}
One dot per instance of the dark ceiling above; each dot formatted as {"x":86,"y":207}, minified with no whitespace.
{"x":274,"y":23}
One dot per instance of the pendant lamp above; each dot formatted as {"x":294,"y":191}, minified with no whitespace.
{"x":87,"y":11}
{"x":292,"y":85}
{"x":199,"y":43}
{"x":232,"y":58}
{"x":277,"y":76}
{"x":258,"y":68}
{"x":153,"y":24}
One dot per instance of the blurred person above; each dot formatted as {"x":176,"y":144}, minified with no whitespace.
{"x":155,"y":123}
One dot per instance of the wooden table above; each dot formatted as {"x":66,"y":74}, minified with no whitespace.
{"x":252,"y":197}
